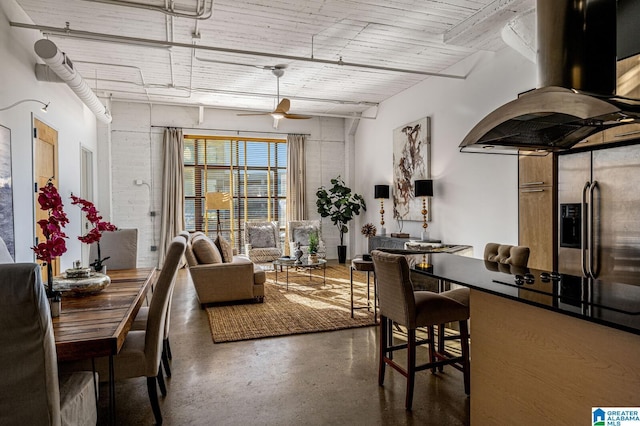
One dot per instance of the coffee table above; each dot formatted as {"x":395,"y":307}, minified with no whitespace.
{"x":290,"y":263}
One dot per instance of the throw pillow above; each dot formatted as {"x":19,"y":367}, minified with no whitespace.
{"x":262,"y":236}
{"x":190,"y":256}
{"x":206,"y":251}
{"x":226,"y":250}
{"x":301,"y":235}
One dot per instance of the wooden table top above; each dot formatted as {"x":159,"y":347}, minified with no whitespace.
{"x":96,"y":325}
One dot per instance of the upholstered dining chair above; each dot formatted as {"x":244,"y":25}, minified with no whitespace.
{"x":141,"y":352}
{"x":120,"y":245}
{"x":498,"y":257}
{"x":32,"y":392}
{"x":140,"y":322}
{"x":262,"y":241}
{"x":507,"y":254}
{"x":298,"y":231}
{"x":401,"y":305}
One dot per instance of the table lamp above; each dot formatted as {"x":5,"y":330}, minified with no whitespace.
{"x":380,"y":193}
{"x":423,"y":188}
{"x":217,"y":201}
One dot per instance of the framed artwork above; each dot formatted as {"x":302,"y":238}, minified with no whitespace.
{"x":411,"y":161}
{"x":6,"y":191}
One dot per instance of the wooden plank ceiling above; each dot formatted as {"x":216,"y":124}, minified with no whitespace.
{"x":309,"y":37}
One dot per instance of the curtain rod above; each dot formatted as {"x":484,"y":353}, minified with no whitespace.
{"x":232,"y":131}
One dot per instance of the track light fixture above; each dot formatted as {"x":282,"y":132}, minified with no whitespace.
{"x":43,"y":109}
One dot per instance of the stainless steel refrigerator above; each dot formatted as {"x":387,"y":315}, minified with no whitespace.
{"x":599,"y":214}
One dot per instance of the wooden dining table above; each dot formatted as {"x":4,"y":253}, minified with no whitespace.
{"x":96,"y":325}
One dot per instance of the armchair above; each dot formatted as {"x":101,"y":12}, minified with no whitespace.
{"x":262,"y":241}
{"x":299,"y":231}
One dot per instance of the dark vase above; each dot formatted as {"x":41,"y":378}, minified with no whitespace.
{"x":53,"y":296}
{"x":342,"y":254}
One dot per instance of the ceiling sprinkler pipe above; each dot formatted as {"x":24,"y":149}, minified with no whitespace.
{"x":63,"y":67}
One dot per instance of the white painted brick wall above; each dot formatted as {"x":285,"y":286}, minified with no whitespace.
{"x":136,"y":153}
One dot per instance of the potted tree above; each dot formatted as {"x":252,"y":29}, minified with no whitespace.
{"x":340,"y":205}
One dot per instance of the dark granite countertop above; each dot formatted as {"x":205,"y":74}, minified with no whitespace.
{"x":612,"y":304}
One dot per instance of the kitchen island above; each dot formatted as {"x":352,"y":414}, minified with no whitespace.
{"x":543,"y":350}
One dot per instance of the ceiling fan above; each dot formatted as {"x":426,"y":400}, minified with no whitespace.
{"x":282,"y":110}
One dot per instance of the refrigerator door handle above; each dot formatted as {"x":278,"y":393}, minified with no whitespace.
{"x":592,"y":249}
{"x":583,"y":230}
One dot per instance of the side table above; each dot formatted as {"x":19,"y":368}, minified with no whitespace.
{"x":359,"y":264}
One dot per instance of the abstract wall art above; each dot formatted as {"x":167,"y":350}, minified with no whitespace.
{"x":6,"y":191}
{"x":411,"y":161}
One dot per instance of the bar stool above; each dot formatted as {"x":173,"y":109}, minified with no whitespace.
{"x":359,"y":264}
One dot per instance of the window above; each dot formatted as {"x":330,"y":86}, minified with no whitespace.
{"x":252,"y":170}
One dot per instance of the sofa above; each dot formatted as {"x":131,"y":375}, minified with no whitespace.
{"x":219,"y":275}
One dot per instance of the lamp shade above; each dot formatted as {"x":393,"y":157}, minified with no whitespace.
{"x":381,"y":191}
{"x":218,"y":201}
{"x":423,"y":188}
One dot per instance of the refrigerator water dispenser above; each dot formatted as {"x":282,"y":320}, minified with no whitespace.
{"x":570,"y":225}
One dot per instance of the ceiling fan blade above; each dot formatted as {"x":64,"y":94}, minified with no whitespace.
{"x":297,"y":116}
{"x":283,"y":106}
{"x":254,"y":113}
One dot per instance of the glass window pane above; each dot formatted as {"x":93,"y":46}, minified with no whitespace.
{"x":189,"y":156}
{"x":189,"y":182}
{"x":253,"y":171}
{"x":190,"y":215}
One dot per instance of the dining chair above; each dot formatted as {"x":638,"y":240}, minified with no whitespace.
{"x":32,"y":392}
{"x":498,"y":257}
{"x":400,"y":304}
{"x":120,"y":245}
{"x":141,"y":353}
{"x":140,"y":322}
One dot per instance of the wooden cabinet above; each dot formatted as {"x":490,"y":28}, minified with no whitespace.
{"x":536,"y":209}
{"x":622,"y":133}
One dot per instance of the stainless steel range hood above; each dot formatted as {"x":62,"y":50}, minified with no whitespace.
{"x":577,"y":76}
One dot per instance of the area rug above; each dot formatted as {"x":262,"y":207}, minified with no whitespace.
{"x":308,"y":306}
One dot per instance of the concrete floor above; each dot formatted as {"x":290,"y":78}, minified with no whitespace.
{"x":314,"y":379}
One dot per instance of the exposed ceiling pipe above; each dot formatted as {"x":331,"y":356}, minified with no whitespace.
{"x":203,"y":11}
{"x":88,"y":35}
{"x":62,"y":65}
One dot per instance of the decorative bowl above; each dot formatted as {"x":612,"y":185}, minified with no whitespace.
{"x":84,"y":286}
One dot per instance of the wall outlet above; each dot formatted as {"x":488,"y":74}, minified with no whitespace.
{"x":154,"y":248}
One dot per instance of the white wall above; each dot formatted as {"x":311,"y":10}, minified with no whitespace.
{"x":75,"y":124}
{"x":135,"y":148}
{"x":475,"y":195}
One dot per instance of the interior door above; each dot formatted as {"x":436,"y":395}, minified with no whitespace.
{"x":45,"y":168}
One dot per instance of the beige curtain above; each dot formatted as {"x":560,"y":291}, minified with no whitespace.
{"x":172,"y":185}
{"x":296,"y":182}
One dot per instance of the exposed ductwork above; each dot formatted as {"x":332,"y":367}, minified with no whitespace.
{"x":577,"y":80}
{"x":60,"y":64}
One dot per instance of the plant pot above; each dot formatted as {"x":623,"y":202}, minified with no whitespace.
{"x":313,"y":258}
{"x":342,"y":254}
